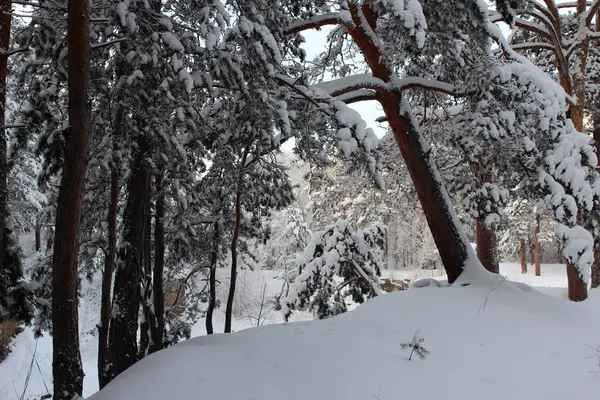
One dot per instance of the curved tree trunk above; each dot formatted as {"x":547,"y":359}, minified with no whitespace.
{"x":66,"y":364}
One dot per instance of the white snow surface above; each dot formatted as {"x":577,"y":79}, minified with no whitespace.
{"x":490,"y":341}
{"x":493,"y":339}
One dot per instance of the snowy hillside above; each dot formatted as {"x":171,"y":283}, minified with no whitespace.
{"x":492,"y":339}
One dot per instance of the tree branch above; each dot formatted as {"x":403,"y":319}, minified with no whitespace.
{"x":109,"y":43}
{"x":316,"y":22}
{"x":533,"y":46}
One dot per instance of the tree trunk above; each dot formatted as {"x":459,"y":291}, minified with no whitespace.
{"x":148,"y":326}
{"x":124,"y":325}
{"x":447,"y":232}
{"x":487,"y":250}
{"x":577,"y":288}
{"x":234,"y":255}
{"x":538,"y":271}
{"x":5,"y":24}
{"x":595,"y":272}
{"x":109,"y":260}
{"x":38,"y":237}
{"x":523,"y":257}
{"x":159,"y":263}
{"x":212,"y":280}
{"x":66,"y":363}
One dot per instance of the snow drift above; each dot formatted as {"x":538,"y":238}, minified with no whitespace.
{"x":497,"y":340}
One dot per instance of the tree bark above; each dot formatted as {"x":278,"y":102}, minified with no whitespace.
{"x":577,"y":289}
{"x":523,"y":257}
{"x":487,"y":250}
{"x":538,"y":271}
{"x":212,"y":280}
{"x":123,"y":328}
{"x":159,"y":262}
{"x":111,"y":253}
{"x":234,"y":254}
{"x":5,"y":25}
{"x":38,"y":237}
{"x":66,"y":364}
{"x":485,"y":236}
{"x":446,"y":230}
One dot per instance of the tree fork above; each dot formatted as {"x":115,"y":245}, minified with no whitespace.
{"x":66,"y":364}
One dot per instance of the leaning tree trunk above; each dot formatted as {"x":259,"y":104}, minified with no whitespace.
{"x":122,"y":341}
{"x":159,"y":263}
{"x":5,"y":23}
{"x":66,"y":364}
{"x":447,"y":232}
{"x":523,"y":257}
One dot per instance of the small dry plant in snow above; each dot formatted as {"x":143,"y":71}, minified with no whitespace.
{"x":416,"y":346}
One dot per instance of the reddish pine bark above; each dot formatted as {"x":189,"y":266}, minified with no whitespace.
{"x":523,"y":257}
{"x":5,"y":24}
{"x":487,"y":250}
{"x":577,"y":289}
{"x":66,"y":364}
{"x":446,"y":231}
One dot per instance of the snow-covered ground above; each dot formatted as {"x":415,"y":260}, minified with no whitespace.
{"x":491,"y":340}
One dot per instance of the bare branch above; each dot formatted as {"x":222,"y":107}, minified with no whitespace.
{"x":17,"y":51}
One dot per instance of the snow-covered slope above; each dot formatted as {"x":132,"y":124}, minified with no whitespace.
{"x":493,"y":340}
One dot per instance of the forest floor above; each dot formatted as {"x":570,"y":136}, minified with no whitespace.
{"x":494,"y":341}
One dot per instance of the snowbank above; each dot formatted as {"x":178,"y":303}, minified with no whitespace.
{"x":495,"y":340}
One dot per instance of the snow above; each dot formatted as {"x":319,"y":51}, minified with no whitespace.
{"x":493,"y":340}
{"x":544,"y":338}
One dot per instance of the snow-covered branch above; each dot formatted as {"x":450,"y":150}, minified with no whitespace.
{"x":427,"y":84}
{"x":591,"y":12}
{"x":341,"y":86}
{"x":109,"y":43}
{"x":315,"y":22}
{"x":533,"y":46}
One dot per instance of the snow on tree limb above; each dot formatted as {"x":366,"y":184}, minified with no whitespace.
{"x":316,"y":22}
{"x":338,"y":87}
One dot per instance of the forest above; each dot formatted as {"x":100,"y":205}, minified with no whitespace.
{"x":172,"y":168}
